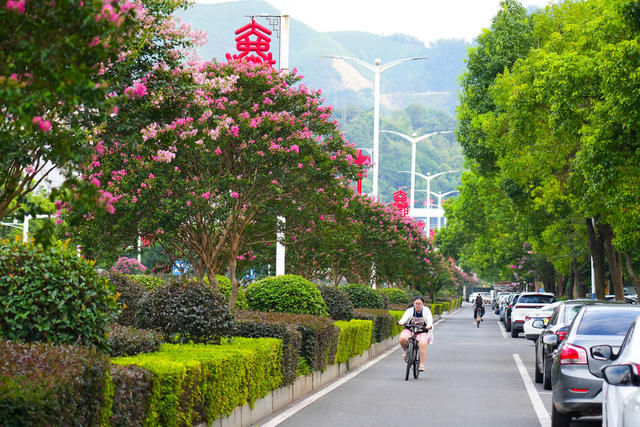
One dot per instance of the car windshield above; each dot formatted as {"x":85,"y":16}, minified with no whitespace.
{"x":536,"y":299}
{"x":607,"y":321}
{"x":570,"y":312}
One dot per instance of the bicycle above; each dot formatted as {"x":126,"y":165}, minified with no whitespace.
{"x":412,"y":354}
{"x":479,"y":313}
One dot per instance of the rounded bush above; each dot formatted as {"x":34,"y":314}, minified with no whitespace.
{"x":129,"y":341}
{"x":53,"y":295}
{"x":130,"y":294}
{"x":362,"y":296}
{"x":286,"y":294}
{"x":396,"y":296}
{"x":340,"y":308}
{"x":185,"y":310}
{"x":225,"y":287}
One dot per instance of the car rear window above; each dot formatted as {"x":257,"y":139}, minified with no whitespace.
{"x":607,"y":322}
{"x":570,"y":312}
{"x":536,"y":299}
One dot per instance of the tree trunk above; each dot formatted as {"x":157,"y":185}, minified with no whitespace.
{"x":615,"y":261}
{"x":562,"y":286}
{"x":596,"y":248}
{"x":234,"y":284}
{"x":634,"y":277}
{"x":579,"y":289}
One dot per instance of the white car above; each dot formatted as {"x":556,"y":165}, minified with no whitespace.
{"x":543,"y":313}
{"x":621,"y":387}
{"x":527,"y":303}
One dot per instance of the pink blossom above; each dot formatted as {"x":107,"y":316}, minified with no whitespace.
{"x":240,"y":257}
{"x":274,"y":182}
{"x":218,"y":151}
{"x":300,"y":165}
{"x":234,"y":195}
{"x":16,"y":5}
{"x":513,"y":267}
{"x":188,"y":202}
{"x":137,"y":90}
{"x":30,"y":169}
{"x":295,"y":148}
{"x":45,"y":125}
{"x":206,"y":195}
{"x":95,"y":41}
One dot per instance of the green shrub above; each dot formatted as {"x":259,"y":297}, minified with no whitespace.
{"x":129,"y":341}
{"x":267,"y":325}
{"x":286,"y":294}
{"x":319,"y":334}
{"x":396,"y":296}
{"x":131,"y":294}
{"x":192,"y":383}
{"x":401,"y":307}
{"x":185,"y":310}
{"x":397,"y":315}
{"x":362,"y":296}
{"x":225,"y":287}
{"x":413,"y":293}
{"x":382,"y":322}
{"x":338,"y":303}
{"x":436,"y":309}
{"x":354,"y":338}
{"x":445,"y":306}
{"x":53,"y":295}
{"x":132,"y":387}
{"x":303,"y":368}
{"x":45,"y":384}
{"x":147,"y":281}
{"x":385,"y":300}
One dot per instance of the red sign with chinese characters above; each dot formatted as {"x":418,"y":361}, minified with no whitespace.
{"x":400,"y":202}
{"x":361,"y":160}
{"x":254,"y":49}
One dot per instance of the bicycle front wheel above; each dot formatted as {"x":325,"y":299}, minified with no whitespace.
{"x":409,"y":359}
{"x":416,"y":362}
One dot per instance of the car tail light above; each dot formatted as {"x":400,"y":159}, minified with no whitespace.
{"x":635,"y":367}
{"x":573,"y":354}
{"x":579,"y":390}
{"x":527,"y":317}
{"x":561,"y":333}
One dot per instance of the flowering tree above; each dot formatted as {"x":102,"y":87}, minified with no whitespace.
{"x":200,"y":152}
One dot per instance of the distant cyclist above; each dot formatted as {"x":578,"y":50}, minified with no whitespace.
{"x":478,"y":305}
{"x":421,"y":316}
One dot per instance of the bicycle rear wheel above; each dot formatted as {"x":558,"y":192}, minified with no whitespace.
{"x":409,"y":359}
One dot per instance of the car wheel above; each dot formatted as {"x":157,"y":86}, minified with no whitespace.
{"x":514,"y":333}
{"x":558,"y":419}
{"x":538,"y":372}
{"x":546,"y":372}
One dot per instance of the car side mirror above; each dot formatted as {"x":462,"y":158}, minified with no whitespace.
{"x":551,"y":339}
{"x":619,"y":375}
{"x":602,"y":352}
{"x":538,"y":324}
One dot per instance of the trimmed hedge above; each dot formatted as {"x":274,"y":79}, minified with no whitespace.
{"x":396,"y":296}
{"x":45,"y":384}
{"x":382,"y":322}
{"x":53,"y":295}
{"x":354,"y":338}
{"x":196,"y":382}
{"x":131,"y":388}
{"x":399,"y":307}
{"x":338,"y":304}
{"x":273,"y":325}
{"x":436,"y":308}
{"x":319,"y":334}
{"x":397,"y":315}
{"x":286,"y":294}
{"x":362,"y":296}
{"x":129,"y":341}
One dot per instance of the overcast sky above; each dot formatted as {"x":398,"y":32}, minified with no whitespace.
{"x":427,"y":20}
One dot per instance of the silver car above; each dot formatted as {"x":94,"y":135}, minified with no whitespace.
{"x":576,"y":379}
{"x":621,"y":389}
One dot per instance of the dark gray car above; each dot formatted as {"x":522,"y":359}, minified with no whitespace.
{"x":575,"y":376}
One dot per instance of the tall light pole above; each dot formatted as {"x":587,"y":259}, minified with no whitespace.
{"x":440,"y":196}
{"x":429,"y":177}
{"x":414,"y":140}
{"x":377,"y":69}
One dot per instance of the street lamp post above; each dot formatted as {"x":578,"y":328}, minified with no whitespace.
{"x":414,"y":140}
{"x":440,"y":196}
{"x":377,"y":69}
{"x":429,"y":177}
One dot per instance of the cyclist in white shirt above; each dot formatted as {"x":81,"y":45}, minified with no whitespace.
{"x":421,"y":316}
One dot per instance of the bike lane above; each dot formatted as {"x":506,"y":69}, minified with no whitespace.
{"x":471,"y":380}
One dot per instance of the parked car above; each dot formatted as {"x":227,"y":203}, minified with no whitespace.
{"x":486,"y":297}
{"x":621,"y":388}
{"x":503,"y":304}
{"x":495,"y":303}
{"x":527,"y":303}
{"x":507,"y":311}
{"x":628,"y":299}
{"x":543,"y":313}
{"x":576,"y":379}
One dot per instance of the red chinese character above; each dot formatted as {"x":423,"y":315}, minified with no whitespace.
{"x":259,"y":46}
{"x":361,"y":160}
{"x":400,"y":202}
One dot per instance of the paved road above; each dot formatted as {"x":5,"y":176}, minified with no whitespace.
{"x":472,"y":379}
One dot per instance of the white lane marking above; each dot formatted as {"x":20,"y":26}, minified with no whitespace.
{"x":538,"y":406}
{"x":309,"y":400}
{"x":504,"y":332}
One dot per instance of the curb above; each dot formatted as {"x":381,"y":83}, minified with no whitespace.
{"x":275,"y":400}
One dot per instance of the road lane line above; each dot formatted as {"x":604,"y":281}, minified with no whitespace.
{"x":309,"y":400}
{"x":502,"y":330}
{"x":538,"y":406}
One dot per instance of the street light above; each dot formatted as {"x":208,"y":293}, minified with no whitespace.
{"x":429,"y":177}
{"x":414,"y":140}
{"x":440,"y":196}
{"x":377,"y":69}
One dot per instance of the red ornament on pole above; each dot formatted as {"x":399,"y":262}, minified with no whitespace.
{"x":361,"y":160}
{"x":400,"y":202}
{"x":259,"y":46}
